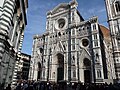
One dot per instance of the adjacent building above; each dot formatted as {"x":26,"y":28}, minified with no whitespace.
{"x":21,"y":71}
{"x":113,"y":13}
{"x":12,"y":24}
{"x":72,"y":49}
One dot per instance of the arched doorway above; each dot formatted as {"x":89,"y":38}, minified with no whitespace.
{"x":60,"y":69}
{"x":39,"y":71}
{"x":87,"y":70}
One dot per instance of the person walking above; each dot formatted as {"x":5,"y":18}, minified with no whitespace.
{"x":8,"y":87}
{"x":19,"y":87}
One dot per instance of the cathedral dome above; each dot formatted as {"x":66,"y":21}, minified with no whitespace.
{"x":106,"y":32}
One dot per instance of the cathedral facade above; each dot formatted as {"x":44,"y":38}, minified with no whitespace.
{"x":72,"y":49}
{"x":113,"y":12}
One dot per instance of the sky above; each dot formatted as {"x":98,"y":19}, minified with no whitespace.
{"x":36,"y":16}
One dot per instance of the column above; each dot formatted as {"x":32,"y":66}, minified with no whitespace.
{"x":18,"y":38}
{"x":14,"y":29}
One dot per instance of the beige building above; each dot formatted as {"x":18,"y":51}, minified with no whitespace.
{"x":72,"y":49}
{"x":12,"y":24}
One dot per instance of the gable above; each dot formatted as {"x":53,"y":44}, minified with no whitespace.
{"x":60,"y":7}
{"x":58,"y":49}
{"x":85,"y":54}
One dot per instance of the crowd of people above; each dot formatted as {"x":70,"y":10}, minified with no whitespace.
{"x":36,"y":85}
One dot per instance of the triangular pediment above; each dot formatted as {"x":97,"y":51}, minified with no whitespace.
{"x":85,"y":54}
{"x":58,"y":49}
{"x":60,"y":7}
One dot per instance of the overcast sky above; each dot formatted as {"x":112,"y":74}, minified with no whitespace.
{"x":36,"y":16}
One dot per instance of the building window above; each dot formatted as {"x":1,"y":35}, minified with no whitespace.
{"x":85,"y":42}
{"x":88,"y":28}
{"x":73,"y":47}
{"x":74,"y":73}
{"x":117,"y":60}
{"x":86,"y":62}
{"x":95,"y":36}
{"x":53,"y":75}
{"x":73,"y":59}
{"x":48,"y":25}
{"x":72,"y":16}
{"x":94,"y":27}
{"x":46,"y":39}
{"x":45,"y":49}
{"x":73,"y":31}
{"x":118,"y":43}
{"x":97,"y":56}
{"x":73,"y":44}
{"x":117,"y":6}
{"x":96,"y":43}
{"x":99,"y":73}
{"x":43,"y":73}
{"x":61,"y":23}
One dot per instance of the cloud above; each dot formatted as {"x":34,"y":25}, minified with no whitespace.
{"x":101,"y":10}
{"x":96,"y":10}
{"x":91,"y":11}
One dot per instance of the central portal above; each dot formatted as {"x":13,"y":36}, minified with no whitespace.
{"x":60,"y":69}
{"x":87,"y":70}
{"x":87,"y":76}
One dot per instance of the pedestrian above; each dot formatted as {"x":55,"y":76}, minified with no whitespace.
{"x":2,"y":86}
{"x":8,"y":87}
{"x":19,"y":87}
{"x":31,"y":86}
{"x":25,"y":86}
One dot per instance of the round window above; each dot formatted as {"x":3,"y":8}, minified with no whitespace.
{"x":61,"y":23}
{"x":85,"y":42}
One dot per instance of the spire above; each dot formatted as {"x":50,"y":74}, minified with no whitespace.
{"x":74,"y":2}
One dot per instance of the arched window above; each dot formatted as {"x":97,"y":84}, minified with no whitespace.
{"x":53,"y":75}
{"x":44,"y":73}
{"x":39,"y":70}
{"x":99,"y":73}
{"x":86,"y":62}
{"x":94,"y":27}
{"x":72,"y":16}
{"x":73,"y":59}
{"x":117,"y":6}
{"x":74,"y":73}
{"x":39,"y":66}
{"x":73,"y":31}
{"x":73,"y":43}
